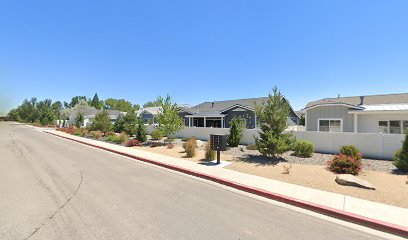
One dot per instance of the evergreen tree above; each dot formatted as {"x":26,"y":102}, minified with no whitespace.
{"x":101,"y":122}
{"x":273,"y":120}
{"x":96,"y":103}
{"x":401,"y":156}
{"x":235,"y":132}
{"x":141,"y":131}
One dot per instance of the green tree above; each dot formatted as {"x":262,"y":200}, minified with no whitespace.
{"x":141,"y":131}
{"x":58,"y":108}
{"x":169,"y":120}
{"x":235,"y":131}
{"x":118,"y":104}
{"x":401,"y":156}
{"x":127,"y":124}
{"x":101,"y":122}
{"x":273,"y":120}
{"x":75,"y":100}
{"x":13,"y":115}
{"x":96,"y":103}
{"x":46,"y":114}
{"x":79,"y":119}
{"x":27,"y":111}
{"x":155,"y":103}
{"x":136,"y":107}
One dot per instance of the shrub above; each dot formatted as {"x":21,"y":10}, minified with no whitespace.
{"x":113,"y":138}
{"x":110,"y":133}
{"x":123,"y":137}
{"x":96,"y":134}
{"x":209,"y":154}
{"x":235,"y":132}
{"x":70,"y":130}
{"x":190,"y":148}
{"x":169,"y":140}
{"x":352,"y":151}
{"x":401,"y":156}
{"x":77,"y":132}
{"x":133,"y":143}
{"x":303,"y":148}
{"x":345,"y":164}
{"x":170,"y":146}
{"x":252,"y":147}
{"x":157,"y":134}
{"x":186,"y":139}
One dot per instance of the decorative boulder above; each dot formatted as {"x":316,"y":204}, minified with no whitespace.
{"x":199,"y":143}
{"x":350,"y":180}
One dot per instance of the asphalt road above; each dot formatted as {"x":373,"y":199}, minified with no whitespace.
{"x":52,"y":188}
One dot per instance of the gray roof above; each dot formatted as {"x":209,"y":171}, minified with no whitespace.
{"x":93,"y":111}
{"x":218,"y":106}
{"x":365,"y":100}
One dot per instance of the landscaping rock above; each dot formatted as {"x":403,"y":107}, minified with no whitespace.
{"x":199,"y":143}
{"x":350,"y":180}
{"x":243,"y":149}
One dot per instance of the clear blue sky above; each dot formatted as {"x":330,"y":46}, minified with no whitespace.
{"x":201,"y":50}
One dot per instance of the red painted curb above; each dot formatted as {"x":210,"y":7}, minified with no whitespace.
{"x":350,"y":217}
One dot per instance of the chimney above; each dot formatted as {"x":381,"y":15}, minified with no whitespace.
{"x":362,"y":100}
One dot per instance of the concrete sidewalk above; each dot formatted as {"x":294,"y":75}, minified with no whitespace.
{"x":385,"y":214}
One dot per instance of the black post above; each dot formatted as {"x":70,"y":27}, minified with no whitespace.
{"x":218,"y":156}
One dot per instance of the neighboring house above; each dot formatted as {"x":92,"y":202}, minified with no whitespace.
{"x":149,"y":114}
{"x":89,"y":115}
{"x":360,"y":114}
{"x":218,"y":114}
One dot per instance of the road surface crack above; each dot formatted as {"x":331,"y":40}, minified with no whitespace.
{"x":58,"y":209}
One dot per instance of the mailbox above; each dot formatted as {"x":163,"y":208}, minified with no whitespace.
{"x":218,"y":142}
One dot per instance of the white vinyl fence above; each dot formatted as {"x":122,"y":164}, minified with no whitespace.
{"x":372,"y":145}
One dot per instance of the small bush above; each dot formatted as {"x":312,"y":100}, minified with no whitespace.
{"x":70,"y":130}
{"x":252,"y":147}
{"x":113,"y":138}
{"x":401,"y":156}
{"x":123,"y":137}
{"x":345,"y":164}
{"x":286,"y":169}
{"x":190,"y":148}
{"x":110,"y":133}
{"x":351,"y":151}
{"x":169,"y":140}
{"x":186,"y":139}
{"x":77,"y":132}
{"x":209,"y":154}
{"x":303,"y":148}
{"x":133,"y":143}
{"x":96,"y":134}
{"x":157,"y":135}
{"x":170,"y":146}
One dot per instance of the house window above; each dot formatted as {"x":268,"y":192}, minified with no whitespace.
{"x":395,"y":127}
{"x":383,"y":126}
{"x":405,"y":126}
{"x":330,"y":125}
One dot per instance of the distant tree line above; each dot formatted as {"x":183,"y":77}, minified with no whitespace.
{"x":45,"y":112}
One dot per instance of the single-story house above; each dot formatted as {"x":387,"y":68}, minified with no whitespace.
{"x":386,"y":113}
{"x":89,"y":115}
{"x":218,"y":114}
{"x":149,"y":114}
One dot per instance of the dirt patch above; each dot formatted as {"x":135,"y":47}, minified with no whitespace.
{"x":390,"y":188}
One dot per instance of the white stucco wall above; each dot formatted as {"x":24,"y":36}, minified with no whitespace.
{"x":368,"y":123}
